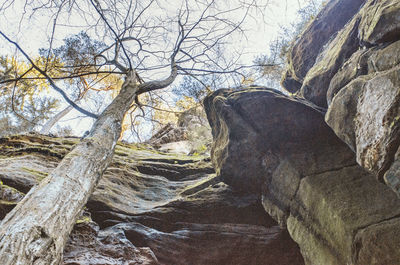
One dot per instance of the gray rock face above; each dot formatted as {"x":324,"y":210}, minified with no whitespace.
{"x":364,"y":95}
{"x":305,"y":50}
{"x":281,"y":148}
{"x":369,"y":24}
{"x":153,"y":208}
{"x":380,"y":22}
{"x":356,"y":77}
{"x":334,"y":54}
{"x":372,"y":126}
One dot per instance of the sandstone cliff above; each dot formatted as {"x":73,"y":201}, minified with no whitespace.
{"x":325,"y":160}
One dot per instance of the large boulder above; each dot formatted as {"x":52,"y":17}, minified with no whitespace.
{"x":280,"y":147}
{"x":254,"y":123}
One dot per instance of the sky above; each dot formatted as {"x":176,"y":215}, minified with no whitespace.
{"x":31,"y":33}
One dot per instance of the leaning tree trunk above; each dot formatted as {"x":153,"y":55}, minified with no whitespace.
{"x":36,"y":230}
{"x":50,"y":123}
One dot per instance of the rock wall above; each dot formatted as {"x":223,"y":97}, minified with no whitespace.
{"x":320,"y":158}
{"x":151,"y":207}
{"x":280,"y":148}
{"x":356,"y":77}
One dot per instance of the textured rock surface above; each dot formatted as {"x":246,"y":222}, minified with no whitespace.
{"x":308,"y":178}
{"x":375,"y":23}
{"x":332,"y":207}
{"x":306,"y":48}
{"x":88,"y":245}
{"x":380,"y":22}
{"x":356,"y":76}
{"x":336,"y":52}
{"x":372,"y":247}
{"x":371,"y":126}
{"x":273,"y":130}
{"x":364,"y":95}
{"x":154,"y":208}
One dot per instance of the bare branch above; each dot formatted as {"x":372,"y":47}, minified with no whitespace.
{"x":99,"y":11}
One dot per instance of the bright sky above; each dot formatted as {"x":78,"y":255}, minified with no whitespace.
{"x":33,"y":32}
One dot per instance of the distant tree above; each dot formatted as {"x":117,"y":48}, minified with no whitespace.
{"x":22,"y":105}
{"x":77,"y":56}
{"x":197,"y":88}
{"x":149,"y":43}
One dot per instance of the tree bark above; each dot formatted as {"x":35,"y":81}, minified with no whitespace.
{"x":36,"y":230}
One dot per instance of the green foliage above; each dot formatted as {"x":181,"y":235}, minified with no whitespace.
{"x":78,"y":52}
{"x":22,"y":105}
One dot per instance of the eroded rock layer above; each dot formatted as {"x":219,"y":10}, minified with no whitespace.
{"x":152,"y":208}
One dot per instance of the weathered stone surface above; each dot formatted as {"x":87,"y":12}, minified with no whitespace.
{"x":260,"y":129}
{"x":156,"y":206}
{"x":380,"y":22}
{"x":334,"y":54}
{"x":332,"y":207}
{"x":378,"y":244}
{"x":364,"y":62}
{"x":290,"y":141}
{"x":370,"y":121}
{"x":223,"y":244}
{"x":90,"y":246}
{"x":376,"y":23}
{"x":305,"y":50}
{"x":363,"y":96}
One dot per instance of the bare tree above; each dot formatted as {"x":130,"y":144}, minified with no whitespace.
{"x":142,"y":40}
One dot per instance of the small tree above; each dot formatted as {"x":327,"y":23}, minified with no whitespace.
{"x":142,"y":40}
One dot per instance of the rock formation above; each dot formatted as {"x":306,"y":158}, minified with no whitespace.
{"x":280,"y":147}
{"x":356,"y":76}
{"x":320,"y":158}
{"x":190,"y":135}
{"x":151,"y":208}
{"x":320,"y":166}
